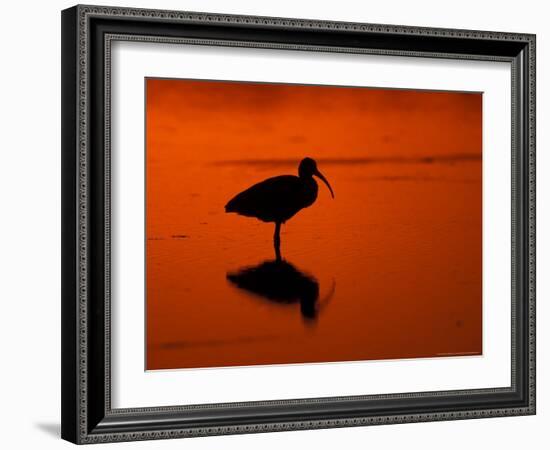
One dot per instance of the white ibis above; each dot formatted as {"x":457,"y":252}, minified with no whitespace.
{"x":279,"y":198}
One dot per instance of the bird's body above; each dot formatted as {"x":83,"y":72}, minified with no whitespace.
{"x":276,"y":199}
{"x":279,"y":198}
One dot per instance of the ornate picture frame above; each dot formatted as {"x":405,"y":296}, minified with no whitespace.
{"x":88,"y":33}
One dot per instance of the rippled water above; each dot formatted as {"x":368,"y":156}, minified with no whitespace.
{"x":391,"y":268}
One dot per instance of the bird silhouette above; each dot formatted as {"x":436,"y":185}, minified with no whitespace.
{"x":279,"y":198}
{"x":281,"y":282}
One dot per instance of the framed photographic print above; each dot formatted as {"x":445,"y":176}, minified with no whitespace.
{"x":277,"y":224}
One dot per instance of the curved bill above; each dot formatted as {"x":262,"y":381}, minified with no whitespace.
{"x":320,"y":175}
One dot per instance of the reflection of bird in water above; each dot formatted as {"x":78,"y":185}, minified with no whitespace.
{"x":279,"y":198}
{"x":281,"y":282}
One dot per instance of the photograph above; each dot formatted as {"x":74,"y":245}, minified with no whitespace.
{"x":294,"y":223}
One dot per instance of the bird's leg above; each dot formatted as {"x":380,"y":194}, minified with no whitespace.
{"x":277,"y":241}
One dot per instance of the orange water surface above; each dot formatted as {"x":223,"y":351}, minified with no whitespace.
{"x":391,"y":268}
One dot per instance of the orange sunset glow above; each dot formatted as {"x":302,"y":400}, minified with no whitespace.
{"x":388,"y":269}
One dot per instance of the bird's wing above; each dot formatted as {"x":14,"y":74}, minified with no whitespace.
{"x":267,"y":199}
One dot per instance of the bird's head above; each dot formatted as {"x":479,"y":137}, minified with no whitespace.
{"x":308,"y":168}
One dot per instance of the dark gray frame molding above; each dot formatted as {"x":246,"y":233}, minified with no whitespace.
{"x":87,"y":35}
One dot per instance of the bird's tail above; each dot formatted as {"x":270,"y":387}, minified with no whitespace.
{"x":230,"y":206}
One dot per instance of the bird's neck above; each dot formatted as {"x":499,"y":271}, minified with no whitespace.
{"x":309,"y":181}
